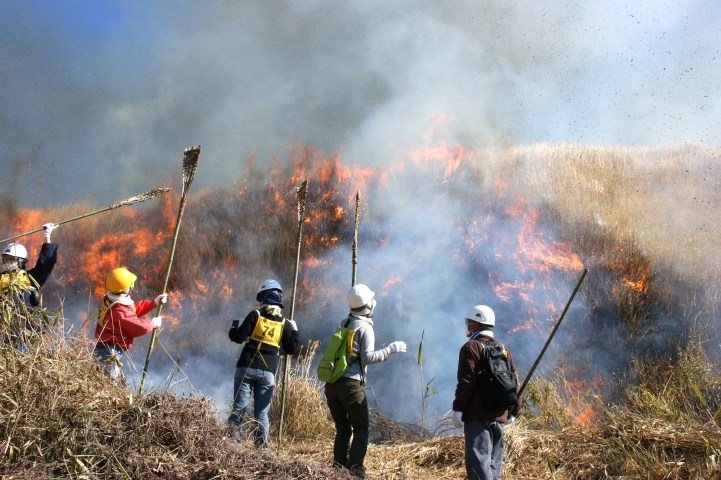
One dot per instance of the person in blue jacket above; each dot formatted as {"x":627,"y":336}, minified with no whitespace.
{"x":265,"y":332}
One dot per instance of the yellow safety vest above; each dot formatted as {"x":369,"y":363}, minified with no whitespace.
{"x":103,"y":310}
{"x":267,"y":331}
{"x":21,"y":279}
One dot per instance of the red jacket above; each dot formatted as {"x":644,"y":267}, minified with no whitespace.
{"x":468,"y":400}
{"x":122,"y":323}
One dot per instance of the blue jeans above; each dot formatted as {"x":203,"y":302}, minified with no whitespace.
{"x":484,"y":449}
{"x":258,"y":384}
{"x":111,"y":357}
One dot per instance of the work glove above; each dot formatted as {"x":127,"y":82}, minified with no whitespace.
{"x":156,"y":321}
{"x":292,"y":324}
{"x":457,"y":422}
{"x":47,"y":230}
{"x":511,"y":419}
{"x":162,"y":298}
{"x":396,"y":347}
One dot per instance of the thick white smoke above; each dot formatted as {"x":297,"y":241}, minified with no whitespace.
{"x":116,"y":91}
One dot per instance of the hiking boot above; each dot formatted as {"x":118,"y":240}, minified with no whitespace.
{"x":357,"y":471}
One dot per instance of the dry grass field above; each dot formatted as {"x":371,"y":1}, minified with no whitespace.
{"x":625,"y":210}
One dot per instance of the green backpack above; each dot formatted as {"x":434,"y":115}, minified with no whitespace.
{"x":334,"y":362}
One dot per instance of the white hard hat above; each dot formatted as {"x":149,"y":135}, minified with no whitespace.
{"x":16,"y":250}
{"x":482,"y":314}
{"x":359,"y":296}
{"x":269,"y":284}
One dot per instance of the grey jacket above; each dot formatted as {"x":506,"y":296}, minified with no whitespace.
{"x":363,"y":346}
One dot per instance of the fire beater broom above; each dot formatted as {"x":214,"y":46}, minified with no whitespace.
{"x":123,"y":203}
{"x":553,"y":332}
{"x":355,"y":236}
{"x":190,"y":163}
{"x":300,"y":195}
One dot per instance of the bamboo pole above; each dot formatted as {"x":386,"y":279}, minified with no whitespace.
{"x":301,"y":196}
{"x":553,"y":332}
{"x":123,"y":203}
{"x":355,"y":237}
{"x":190,"y":163}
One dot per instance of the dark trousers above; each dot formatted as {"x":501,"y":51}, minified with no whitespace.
{"x":484,"y":449}
{"x":349,"y":408}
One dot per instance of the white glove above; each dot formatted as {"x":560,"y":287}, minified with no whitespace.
{"x":457,"y":422}
{"x":396,"y":347}
{"x":292,"y":324}
{"x":511,"y":419}
{"x":48,"y":229}
{"x":156,"y":321}
{"x":162,"y":298}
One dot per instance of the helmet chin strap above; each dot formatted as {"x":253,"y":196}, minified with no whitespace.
{"x":12,"y":266}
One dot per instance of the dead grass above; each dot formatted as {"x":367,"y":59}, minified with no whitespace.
{"x":620,"y":207}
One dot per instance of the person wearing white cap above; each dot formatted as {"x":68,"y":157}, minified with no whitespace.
{"x":264,"y":332}
{"x":480,"y":413}
{"x":346,"y":397}
{"x":14,"y":261}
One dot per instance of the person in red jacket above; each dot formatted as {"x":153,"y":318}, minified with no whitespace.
{"x":119,"y":320}
{"x":482,"y":427}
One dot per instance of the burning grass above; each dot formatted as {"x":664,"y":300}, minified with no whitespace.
{"x":641,"y":220}
{"x":61,"y":417}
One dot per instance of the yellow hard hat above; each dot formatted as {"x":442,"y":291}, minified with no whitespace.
{"x":119,"y":280}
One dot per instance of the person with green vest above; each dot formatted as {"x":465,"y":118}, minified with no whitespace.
{"x":346,"y":396}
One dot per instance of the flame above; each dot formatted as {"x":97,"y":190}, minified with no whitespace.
{"x":139,"y":238}
{"x":390,"y":282}
{"x":635,"y":273}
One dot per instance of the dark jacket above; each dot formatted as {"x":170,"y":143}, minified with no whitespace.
{"x":468,"y":399}
{"x":40,"y":273}
{"x":261,"y":355}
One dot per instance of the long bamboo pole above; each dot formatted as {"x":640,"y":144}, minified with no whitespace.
{"x":553,"y":332}
{"x":123,"y":203}
{"x":355,"y":237}
{"x":301,"y":193}
{"x":190,"y":163}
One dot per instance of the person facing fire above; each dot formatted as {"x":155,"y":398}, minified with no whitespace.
{"x":264,"y":332}
{"x":482,"y":426}
{"x":14,"y":261}
{"x":119,"y":320}
{"x":346,"y":396}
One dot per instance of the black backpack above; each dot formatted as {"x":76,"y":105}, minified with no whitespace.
{"x":496,"y":381}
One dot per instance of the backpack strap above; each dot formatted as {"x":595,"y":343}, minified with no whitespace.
{"x":355,"y":357}
{"x":484,"y":342}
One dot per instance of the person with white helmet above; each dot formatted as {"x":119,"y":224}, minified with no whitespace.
{"x":265,"y":332}
{"x":14,"y":261}
{"x":120,"y":320}
{"x":482,"y":426}
{"x":346,"y":397}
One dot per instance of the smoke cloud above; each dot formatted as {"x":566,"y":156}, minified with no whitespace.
{"x":101,"y":99}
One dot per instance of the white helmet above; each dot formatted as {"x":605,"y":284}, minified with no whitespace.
{"x":269,"y":284}
{"x":359,"y":296}
{"x":482,"y":314}
{"x":16,"y":250}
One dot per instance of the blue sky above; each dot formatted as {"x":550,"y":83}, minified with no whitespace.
{"x":100,"y":98}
